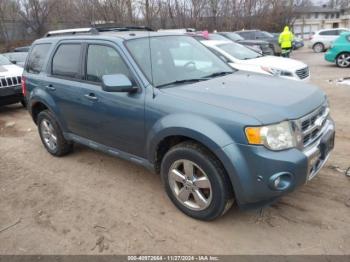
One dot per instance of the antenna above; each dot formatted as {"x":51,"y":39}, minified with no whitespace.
{"x":150,"y":59}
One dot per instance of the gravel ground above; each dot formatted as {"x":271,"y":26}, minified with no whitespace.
{"x":92,"y":203}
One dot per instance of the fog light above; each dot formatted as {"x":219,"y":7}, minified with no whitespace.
{"x":281,"y":181}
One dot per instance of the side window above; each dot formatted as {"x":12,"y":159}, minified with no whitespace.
{"x":66,"y":61}
{"x":103,"y":60}
{"x":37,"y":58}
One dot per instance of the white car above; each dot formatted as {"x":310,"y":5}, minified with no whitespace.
{"x":10,"y":82}
{"x":323,"y":39}
{"x":241,"y":58}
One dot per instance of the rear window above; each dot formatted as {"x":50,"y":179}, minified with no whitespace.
{"x":66,"y":61}
{"x":37,"y":58}
{"x":330,"y":32}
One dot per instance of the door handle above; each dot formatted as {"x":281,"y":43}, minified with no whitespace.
{"x":91,"y":97}
{"x":50,"y":88}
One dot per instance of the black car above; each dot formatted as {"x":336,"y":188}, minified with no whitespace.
{"x":261,"y":35}
{"x":265,"y":47}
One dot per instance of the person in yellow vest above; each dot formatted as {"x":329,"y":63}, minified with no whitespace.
{"x":286,"y":41}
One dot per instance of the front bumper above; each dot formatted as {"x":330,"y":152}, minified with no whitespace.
{"x":330,"y":56}
{"x":10,"y":95}
{"x":251,"y":169}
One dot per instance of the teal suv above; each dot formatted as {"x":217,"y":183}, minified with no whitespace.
{"x":339,"y":52}
{"x":214,"y":135}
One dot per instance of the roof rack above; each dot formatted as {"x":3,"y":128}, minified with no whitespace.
{"x":113,"y":28}
{"x":96,"y":29}
{"x":73,"y":31}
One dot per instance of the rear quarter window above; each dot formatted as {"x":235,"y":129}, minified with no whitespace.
{"x":37,"y":58}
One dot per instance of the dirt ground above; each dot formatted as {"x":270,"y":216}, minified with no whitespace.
{"x":92,"y":203}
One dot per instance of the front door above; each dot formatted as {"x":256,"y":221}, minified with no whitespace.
{"x":112,"y":119}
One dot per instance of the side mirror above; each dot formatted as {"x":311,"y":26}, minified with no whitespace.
{"x":117,"y":83}
{"x":13,"y":62}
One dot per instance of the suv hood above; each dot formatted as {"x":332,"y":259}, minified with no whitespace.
{"x":276,"y":62}
{"x":267,"y":99}
{"x":10,"y":71}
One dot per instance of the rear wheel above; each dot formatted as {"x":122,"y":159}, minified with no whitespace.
{"x":343,"y":60}
{"x":318,"y":48}
{"x":196,"y":182}
{"x":52,"y":136}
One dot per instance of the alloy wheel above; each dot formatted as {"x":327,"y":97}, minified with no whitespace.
{"x":343,"y":60}
{"x":190,"y":184}
{"x":49,"y":134}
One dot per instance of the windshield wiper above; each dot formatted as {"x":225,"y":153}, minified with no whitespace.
{"x":218,"y":74}
{"x":184,"y":81}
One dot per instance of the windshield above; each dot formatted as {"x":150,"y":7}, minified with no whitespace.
{"x":4,"y":61}
{"x":238,"y":51}
{"x":217,"y":37}
{"x":267,"y":34}
{"x":234,"y":36}
{"x":175,"y":59}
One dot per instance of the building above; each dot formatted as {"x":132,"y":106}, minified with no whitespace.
{"x":314,"y":18}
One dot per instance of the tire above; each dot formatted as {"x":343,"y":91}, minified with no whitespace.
{"x":207,"y":194}
{"x":51,"y":135}
{"x":24,"y":103}
{"x":343,"y":60}
{"x":318,"y":48}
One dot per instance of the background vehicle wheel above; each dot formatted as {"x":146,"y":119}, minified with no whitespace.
{"x":52,"y":136}
{"x":196,"y":182}
{"x":318,"y":48}
{"x":24,"y":103}
{"x":343,"y":60}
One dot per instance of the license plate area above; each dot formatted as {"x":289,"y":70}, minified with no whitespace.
{"x":327,"y":144}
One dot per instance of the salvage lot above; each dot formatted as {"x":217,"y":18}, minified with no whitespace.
{"x":89,"y":202}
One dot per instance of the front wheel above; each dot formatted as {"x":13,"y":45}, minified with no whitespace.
{"x":196,"y":182}
{"x":343,"y":60}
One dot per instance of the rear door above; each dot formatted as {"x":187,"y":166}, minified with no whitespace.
{"x":63,"y":83}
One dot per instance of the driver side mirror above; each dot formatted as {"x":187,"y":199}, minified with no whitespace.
{"x":13,"y":62}
{"x":117,"y":83}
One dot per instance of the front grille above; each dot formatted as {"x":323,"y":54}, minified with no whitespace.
{"x":303,"y":73}
{"x":312,"y":125}
{"x":10,"y":81}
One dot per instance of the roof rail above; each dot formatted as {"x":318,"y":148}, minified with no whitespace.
{"x":73,"y":31}
{"x":96,"y":29}
{"x":113,"y":28}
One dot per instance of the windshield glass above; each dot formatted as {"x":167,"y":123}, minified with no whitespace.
{"x":4,"y":60}
{"x":234,"y":36}
{"x":267,"y":34}
{"x":175,"y":59}
{"x":238,"y":51}
{"x":217,"y":37}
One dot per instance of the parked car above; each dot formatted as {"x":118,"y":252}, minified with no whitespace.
{"x":242,"y":58}
{"x":22,"y":49}
{"x":10,"y":82}
{"x":322,"y":40}
{"x":262,"y":35}
{"x":339,"y":52}
{"x":262,"y":46}
{"x":166,"y":102}
{"x":17,"y":58}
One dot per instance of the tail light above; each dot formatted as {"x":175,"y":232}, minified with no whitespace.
{"x":24,"y":87}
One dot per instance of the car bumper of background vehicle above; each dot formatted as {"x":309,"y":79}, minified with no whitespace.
{"x":330,"y":56}
{"x":10,"y":95}
{"x":254,"y":169}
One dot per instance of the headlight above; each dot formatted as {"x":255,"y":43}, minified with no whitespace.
{"x":276,"y":72}
{"x":275,"y":137}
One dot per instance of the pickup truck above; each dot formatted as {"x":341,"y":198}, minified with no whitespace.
{"x":215,"y":135}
